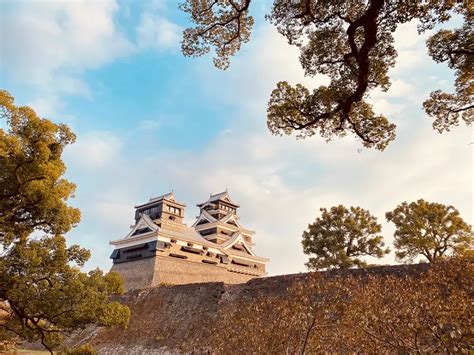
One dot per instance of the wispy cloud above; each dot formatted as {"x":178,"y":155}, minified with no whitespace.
{"x":156,"y":32}
{"x":94,"y":151}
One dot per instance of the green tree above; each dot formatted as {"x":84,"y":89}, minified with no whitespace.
{"x":48,"y":296}
{"x":352,"y":43}
{"x":33,"y":192}
{"x":429,"y":229}
{"x":340,"y":236}
{"x":43,"y":294}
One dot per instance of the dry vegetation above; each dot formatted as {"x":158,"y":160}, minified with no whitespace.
{"x":429,"y":313}
{"x":421,"y":308}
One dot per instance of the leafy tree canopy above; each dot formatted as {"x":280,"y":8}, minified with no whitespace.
{"x":340,"y":236}
{"x":429,"y":229}
{"x":352,"y":43}
{"x":33,"y":193}
{"x":44,"y":295}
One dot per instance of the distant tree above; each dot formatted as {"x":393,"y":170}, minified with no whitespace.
{"x":43,"y":295}
{"x":352,"y":43}
{"x":33,"y":192}
{"x":340,"y":236}
{"x":432,"y":230}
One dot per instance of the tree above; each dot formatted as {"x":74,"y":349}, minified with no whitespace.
{"x":340,"y":236}
{"x":352,"y":43}
{"x":43,"y":294}
{"x":432,"y":230}
{"x":46,"y":297}
{"x":33,"y":193}
{"x":456,"y":47}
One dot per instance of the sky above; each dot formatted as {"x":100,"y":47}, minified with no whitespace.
{"x":149,"y":120}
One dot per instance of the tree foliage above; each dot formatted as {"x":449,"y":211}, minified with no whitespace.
{"x":335,"y":313}
{"x":352,"y":43}
{"x":432,"y":230}
{"x":43,"y":294}
{"x":340,"y":236}
{"x":47,"y":297}
{"x":456,"y":48}
{"x":33,"y":192}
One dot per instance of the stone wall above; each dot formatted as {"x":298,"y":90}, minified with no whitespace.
{"x":168,"y":270}
{"x":137,"y":273}
{"x":174,"y":271}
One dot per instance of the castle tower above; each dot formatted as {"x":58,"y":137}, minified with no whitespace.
{"x":162,"y":210}
{"x":161,"y":249}
{"x":218,"y":220}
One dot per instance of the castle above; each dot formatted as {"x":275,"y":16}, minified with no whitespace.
{"x":161,"y":249}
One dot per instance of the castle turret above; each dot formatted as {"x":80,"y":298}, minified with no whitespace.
{"x":218,"y":220}
{"x":161,"y":209}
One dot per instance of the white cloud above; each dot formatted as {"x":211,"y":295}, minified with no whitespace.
{"x":410,"y":46}
{"x":49,"y":45}
{"x":281,"y":183}
{"x":156,"y":32}
{"x":94,"y":151}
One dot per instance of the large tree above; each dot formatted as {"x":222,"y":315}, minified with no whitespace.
{"x":340,"y":236}
{"x":428,"y":229}
{"x":352,"y":43}
{"x":33,"y":192}
{"x":43,"y":293}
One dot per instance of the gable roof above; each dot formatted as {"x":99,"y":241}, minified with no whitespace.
{"x":236,"y":237}
{"x":231,"y":217}
{"x":206,"y":216}
{"x":169,"y":196}
{"x":224,"y":196}
{"x":144,"y":222}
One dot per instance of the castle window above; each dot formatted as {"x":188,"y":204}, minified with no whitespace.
{"x":115,"y":254}
{"x":241,"y":263}
{"x":141,"y":231}
{"x":208,"y":231}
{"x":191,"y":250}
{"x":238,"y":247}
{"x":179,"y":256}
{"x":174,"y":210}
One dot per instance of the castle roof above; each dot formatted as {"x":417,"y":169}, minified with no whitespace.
{"x":221,"y":196}
{"x":169,"y":196}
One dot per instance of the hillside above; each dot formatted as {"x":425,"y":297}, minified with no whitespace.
{"x":169,"y":318}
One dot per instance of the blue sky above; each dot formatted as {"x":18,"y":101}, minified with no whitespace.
{"x":149,"y":120}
